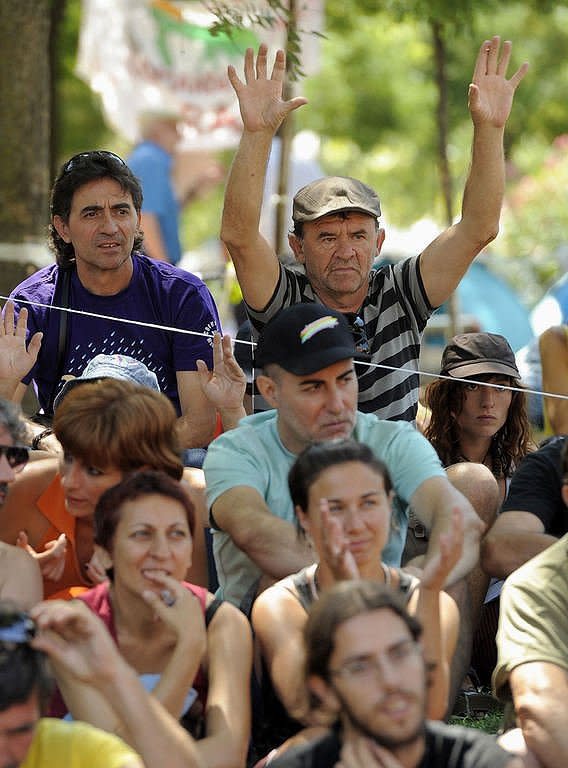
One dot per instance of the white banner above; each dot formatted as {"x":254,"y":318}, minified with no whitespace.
{"x":156,"y":55}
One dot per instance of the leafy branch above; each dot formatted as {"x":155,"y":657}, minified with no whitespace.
{"x":276,"y":13}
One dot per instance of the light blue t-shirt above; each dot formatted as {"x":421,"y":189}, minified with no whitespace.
{"x":152,"y":165}
{"x":253,"y":455}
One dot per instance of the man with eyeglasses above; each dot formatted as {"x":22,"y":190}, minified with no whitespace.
{"x":95,"y":235}
{"x":20,"y":577}
{"x":337,"y":235}
{"x":364,"y":662}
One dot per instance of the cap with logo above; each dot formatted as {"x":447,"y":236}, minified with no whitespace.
{"x":305,"y":338}
{"x":334,"y":193}
{"x":111,"y":367}
{"x":476,"y":354}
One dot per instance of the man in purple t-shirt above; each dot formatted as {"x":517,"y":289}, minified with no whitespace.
{"x":95,"y":233}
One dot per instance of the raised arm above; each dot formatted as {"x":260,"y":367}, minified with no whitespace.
{"x":553,"y":345}
{"x":80,"y":647}
{"x":446,"y":259}
{"x":439,"y":616}
{"x":262,"y":111}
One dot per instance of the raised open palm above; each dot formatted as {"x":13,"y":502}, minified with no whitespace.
{"x":260,"y":97}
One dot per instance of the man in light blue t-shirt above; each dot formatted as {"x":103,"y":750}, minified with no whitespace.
{"x":307,"y":355}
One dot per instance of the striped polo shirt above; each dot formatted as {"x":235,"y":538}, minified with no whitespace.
{"x":394,"y":314}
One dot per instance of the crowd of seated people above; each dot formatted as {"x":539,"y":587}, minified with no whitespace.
{"x":321,"y":584}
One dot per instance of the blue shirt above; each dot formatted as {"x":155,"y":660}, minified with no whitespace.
{"x":153,"y":167}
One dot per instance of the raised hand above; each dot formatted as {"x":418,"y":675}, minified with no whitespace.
{"x":490,"y":93}
{"x":52,"y":560}
{"x":15,"y":359}
{"x":225,"y":385}
{"x":336,"y":553}
{"x":260,"y":97}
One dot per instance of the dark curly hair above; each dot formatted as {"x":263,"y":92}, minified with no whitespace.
{"x":512,"y":442}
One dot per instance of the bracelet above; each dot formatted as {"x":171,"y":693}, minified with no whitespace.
{"x":39,"y":437}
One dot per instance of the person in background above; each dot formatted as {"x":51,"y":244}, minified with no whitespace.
{"x":151,"y":161}
{"x":107,"y":428}
{"x":478,"y":421}
{"x":28,"y":739}
{"x":20,"y":576}
{"x":365,"y":663}
{"x":337,"y":236}
{"x":95,"y":235}
{"x":342,"y":498}
{"x":553,"y":346}
{"x":193,"y":651}
{"x":532,"y":665}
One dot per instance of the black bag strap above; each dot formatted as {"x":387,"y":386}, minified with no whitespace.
{"x":61,"y":297}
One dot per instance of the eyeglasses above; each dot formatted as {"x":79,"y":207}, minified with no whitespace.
{"x":16,"y":455}
{"x":362,"y":669}
{"x":357,"y":328}
{"x":95,"y":154}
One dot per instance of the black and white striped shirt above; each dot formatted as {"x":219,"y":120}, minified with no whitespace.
{"x":395,"y":313}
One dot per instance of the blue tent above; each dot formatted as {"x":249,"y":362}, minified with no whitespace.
{"x":490,"y":302}
{"x":495,"y":305}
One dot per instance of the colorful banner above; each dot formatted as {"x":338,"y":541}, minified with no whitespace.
{"x":153,"y":55}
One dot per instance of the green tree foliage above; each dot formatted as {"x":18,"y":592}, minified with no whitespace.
{"x":78,"y":121}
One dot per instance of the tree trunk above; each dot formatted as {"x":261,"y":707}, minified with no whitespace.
{"x":286,"y":136}
{"x":24,"y":119}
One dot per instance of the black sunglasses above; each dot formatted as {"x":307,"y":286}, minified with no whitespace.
{"x":357,"y":328}
{"x":16,"y":455}
{"x":95,"y":154}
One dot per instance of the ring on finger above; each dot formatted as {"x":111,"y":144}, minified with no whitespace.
{"x":168,"y":597}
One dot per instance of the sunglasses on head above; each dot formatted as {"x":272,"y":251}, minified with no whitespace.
{"x":16,"y":455}
{"x":95,"y":154}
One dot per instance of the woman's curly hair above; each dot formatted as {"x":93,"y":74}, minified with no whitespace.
{"x":510,"y":444}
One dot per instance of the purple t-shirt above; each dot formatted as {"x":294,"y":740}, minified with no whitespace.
{"x":158,"y":293}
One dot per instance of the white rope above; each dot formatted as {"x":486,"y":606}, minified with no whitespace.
{"x":252,"y":344}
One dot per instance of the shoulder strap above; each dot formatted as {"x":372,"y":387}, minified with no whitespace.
{"x":60,"y":299}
